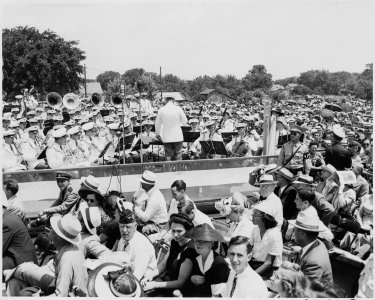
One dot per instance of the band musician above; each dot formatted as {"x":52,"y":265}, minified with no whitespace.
{"x":240,"y":145}
{"x":209,"y":134}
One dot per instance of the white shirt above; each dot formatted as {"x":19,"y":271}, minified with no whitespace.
{"x":244,"y":227}
{"x":30,"y":151}
{"x":141,"y":253}
{"x":15,"y":202}
{"x":201,"y":218}
{"x":249,"y":285}
{"x":277,"y":207}
{"x":270,"y":244}
{"x":156,"y":208}
{"x":10,"y":161}
{"x":56,"y":157}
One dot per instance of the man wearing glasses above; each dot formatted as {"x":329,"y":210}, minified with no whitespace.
{"x":67,"y":198}
{"x":292,"y":154}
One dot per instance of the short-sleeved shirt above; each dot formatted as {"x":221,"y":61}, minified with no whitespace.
{"x":270,"y":244}
{"x":215,"y":272}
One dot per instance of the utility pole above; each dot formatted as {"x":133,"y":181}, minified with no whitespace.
{"x":161,"y":87}
{"x":84,"y":69}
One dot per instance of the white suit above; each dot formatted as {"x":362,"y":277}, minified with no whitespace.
{"x":169,"y":121}
{"x":56,"y":157}
{"x":10,"y":161}
{"x":30,"y":151}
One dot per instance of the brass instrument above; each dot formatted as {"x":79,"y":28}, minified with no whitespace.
{"x":54,"y":100}
{"x":116,"y":100}
{"x":97,"y":99}
{"x":71,"y":101}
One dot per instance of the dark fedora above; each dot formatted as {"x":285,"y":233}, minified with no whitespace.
{"x":205,"y":232}
{"x":111,"y":280}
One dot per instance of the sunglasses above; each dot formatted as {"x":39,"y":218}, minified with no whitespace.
{"x":90,"y":200}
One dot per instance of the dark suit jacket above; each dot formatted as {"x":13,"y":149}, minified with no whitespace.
{"x":287,"y":198}
{"x":338,"y":156}
{"x":315,"y":262}
{"x":324,"y":209}
{"x":17,"y":244}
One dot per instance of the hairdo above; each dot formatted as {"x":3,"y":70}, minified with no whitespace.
{"x":11,"y":185}
{"x":268,"y":220}
{"x":179,"y":185}
{"x":306,"y":195}
{"x":293,"y":280}
{"x":313,"y":144}
{"x":181,"y":219}
{"x":324,"y":289}
{"x":354,"y":143}
{"x":186,"y":205}
{"x":241,"y":240}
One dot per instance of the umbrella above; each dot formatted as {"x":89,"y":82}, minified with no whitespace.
{"x":333,"y":107}
{"x":346,"y":107}
{"x":326,"y":113}
{"x":308,"y":110}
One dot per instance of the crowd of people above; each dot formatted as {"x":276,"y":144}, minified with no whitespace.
{"x":314,"y":201}
{"x":278,"y":239}
{"x":40,"y":136}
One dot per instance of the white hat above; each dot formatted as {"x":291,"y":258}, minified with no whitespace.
{"x":88,"y":126}
{"x":59,"y":133}
{"x":331,"y":169}
{"x":269,"y":169}
{"x":193,"y":121}
{"x":307,"y":220}
{"x":73,"y":130}
{"x":147,"y":123}
{"x":14,"y":124}
{"x":338,"y":131}
{"x":9,"y":132}
{"x":67,"y":227}
{"x":148,"y":177}
{"x":90,"y":182}
{"x":91,"y":217}
{"x":113,"y":126}
{"x":285,"y":173}
{"x":267,"y":179}
{"x":266,"y":207}
{"x":32,"y":128}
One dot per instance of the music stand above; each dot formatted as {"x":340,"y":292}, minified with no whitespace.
{"x":282,"y":140}
{"x":214,"y":147}
{"x":125,"y":144}
{"x":137,"y":129}
{"x":185,"y":128}
{"x":191,"y":136}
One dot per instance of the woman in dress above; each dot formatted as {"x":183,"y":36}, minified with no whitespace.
{"x":314,"y":161}
{"x":175,"y":270}
{"x":210,"y":270}
{"x":355,"y":149}
{"x":266,"y":241}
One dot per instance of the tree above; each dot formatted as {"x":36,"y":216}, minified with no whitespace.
{"x":131,"y":76}
{"x":257,"y":78}
{"x":106,"y":77}
{"x":365,"y":83}
{"x":301,"y":90}
{"x":284,"y":82}
{"x":42,"y":59}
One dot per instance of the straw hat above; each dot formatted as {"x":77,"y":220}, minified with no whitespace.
{"x":266,"y":207}
{"x":90,"y":185}
{"x":267,"y":179}
{"x":148,"y":177}
{"x":91,"y":217}
{"x":67,"y":227}
{"x":307,"y":220}
{"x":205,"y":232}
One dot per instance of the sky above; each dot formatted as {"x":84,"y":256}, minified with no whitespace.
{"x":206,"y":37}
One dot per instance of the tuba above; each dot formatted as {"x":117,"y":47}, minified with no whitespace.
{"x":71,"y":101}
{"x":116,"y":100}
{"x":97,"y":99}
{"x":54,"y":100}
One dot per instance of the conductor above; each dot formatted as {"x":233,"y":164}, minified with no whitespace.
{"x":168,"y":125}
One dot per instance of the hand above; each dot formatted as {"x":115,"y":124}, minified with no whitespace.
{"x":151,"y":285}
{"x":144,"y":281}
{"x":41,"y":214}
{"x":197,"y":279}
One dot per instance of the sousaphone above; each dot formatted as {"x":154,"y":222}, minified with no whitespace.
{"x":71,"y":101}
{"x":54,"y":100}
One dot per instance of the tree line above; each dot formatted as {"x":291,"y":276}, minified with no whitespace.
{"x":50,"y":63}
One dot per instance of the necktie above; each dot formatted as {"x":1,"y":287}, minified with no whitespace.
{"x":126,"y":243}
{"x":233,"y":286}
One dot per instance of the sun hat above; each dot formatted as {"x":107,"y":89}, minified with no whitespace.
{"x":267,"y":179}
{"x":90,"y":185}
{"x":67,"y":227}
{"x":307,"y":220}
{"x":148,"y":177}
{"x":266,"y":207}
{"x":205,"y":232}
{"x":91,"y":217}
{"x":110,"y":280}
{"x":285,"y":173}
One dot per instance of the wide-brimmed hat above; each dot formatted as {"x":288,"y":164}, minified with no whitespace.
{"x":307,"y":220}
{"x":90,"y":185}
{"x":67,"y":227}
{"x":338,"y":131}
{"x":267,"y":179}
{"x":285,"y":173}
{"x":91,"y":217}
{"x":148,"y":177}
{"x":103,"y":282}
{"x":266,"y":207}
{"x":205,"y":232}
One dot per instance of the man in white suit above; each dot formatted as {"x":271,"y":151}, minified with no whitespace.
{"x":168,"y":125}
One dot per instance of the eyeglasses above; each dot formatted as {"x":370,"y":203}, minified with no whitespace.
{"x":90,"y":200}
{"x":293,"y":133}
